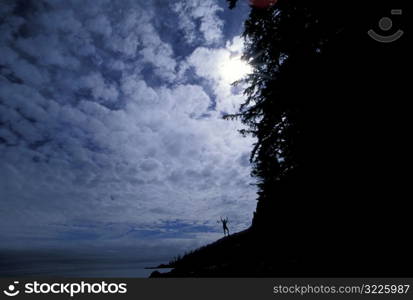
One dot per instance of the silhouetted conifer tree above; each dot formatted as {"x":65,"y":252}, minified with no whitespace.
{"x":318,"y":102}
{"x":282,"y":44}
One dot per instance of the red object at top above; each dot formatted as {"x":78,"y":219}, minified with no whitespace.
{"x":262,"y":3}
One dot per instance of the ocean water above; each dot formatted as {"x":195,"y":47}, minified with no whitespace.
{"x":61,"y":266}
{"x":131,"y":270}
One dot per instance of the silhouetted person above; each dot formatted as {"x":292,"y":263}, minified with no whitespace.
{"x":224,"y":226}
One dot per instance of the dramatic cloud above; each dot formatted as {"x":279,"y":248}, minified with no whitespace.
{"x":202,"y":12}
{"x":109,"y":135}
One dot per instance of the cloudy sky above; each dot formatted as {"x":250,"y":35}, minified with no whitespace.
{"x":111,"y":135}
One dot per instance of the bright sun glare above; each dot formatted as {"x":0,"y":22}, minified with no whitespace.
{"x":234,"y":69}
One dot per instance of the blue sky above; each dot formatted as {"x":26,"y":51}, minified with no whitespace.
{"x":111,"y":134}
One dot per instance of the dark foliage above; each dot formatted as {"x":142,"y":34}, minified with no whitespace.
{"x":319,"y":156}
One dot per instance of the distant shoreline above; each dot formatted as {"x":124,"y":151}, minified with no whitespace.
{"x":161,"y":266}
